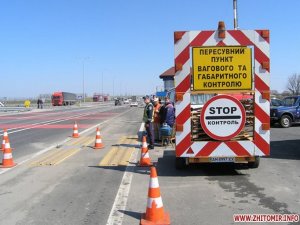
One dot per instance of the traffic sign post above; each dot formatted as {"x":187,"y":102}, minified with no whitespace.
{"x":223,"y":117}
{"x":224,"y":62}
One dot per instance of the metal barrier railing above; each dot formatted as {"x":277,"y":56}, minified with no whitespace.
{"x":14,"y":109}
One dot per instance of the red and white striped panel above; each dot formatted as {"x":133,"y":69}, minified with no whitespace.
{"x":259,"y":40}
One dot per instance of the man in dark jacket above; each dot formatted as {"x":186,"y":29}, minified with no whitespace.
{"x":169,"y":113}
{"x":148,"y":118}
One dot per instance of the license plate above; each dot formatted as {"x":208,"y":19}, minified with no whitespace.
{"x":221,"y":159}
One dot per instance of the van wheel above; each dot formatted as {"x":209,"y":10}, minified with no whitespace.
{"x":285,"y":121}
{"x":255,"y":164}
{"x":180,"y":163}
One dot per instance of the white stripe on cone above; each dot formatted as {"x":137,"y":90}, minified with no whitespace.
{"x":98,"y":141}
{"x":98,"y":133}
{"x":75,"y":131}
{"x":7,"y":145}
{"x":145,"y":155}
{"x":154,"y":183}
{"x":145,"y":145}
{"x":157,"y":201}
{"x":7,"y":156}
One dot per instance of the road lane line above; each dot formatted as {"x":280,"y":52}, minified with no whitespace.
{"x":56,"y":157}
{"x":127,"y":154}
{"x":111,"y":158}
{"x":65,"y":156}
{"x":108,"y":158}
{"x":61,"y":143}
{"x":88,"y":142}
{"x":79,"y":141}
{"x":119,"y":155}
{"x":116,"y":214}
{"x":39,"y":124}
{"x":53,"y":121}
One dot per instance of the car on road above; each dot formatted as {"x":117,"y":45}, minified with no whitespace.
{"x":276,"y":102}
{"x":117,"y":102}
{"x":133,"y":104}
{"x":287,"y":113}
{"x":126,"y":101}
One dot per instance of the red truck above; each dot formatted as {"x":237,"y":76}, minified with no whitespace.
{"x":100,"y":98}
{"x":63,"y":98}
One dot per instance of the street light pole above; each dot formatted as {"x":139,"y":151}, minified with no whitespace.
{"x":102,"y":84}
{"x":235,"y":16}
{"x":114,"y":86}
{"x":83,"y":94}
{"x":83,"y":75}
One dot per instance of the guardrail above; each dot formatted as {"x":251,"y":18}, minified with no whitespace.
{"x":14,"y":109}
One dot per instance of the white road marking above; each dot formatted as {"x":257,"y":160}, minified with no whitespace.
{"x":39,"y":124}
{"x":116,"y":215}
{"x":63,"y":142}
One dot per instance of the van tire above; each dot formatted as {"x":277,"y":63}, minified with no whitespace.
{"x":285,"y":121}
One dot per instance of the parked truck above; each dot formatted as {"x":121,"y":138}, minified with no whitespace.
{"x":222,"y":103}
{"x":97,"y":98}
{"x":63,"y":98}
{"x":287,"y":113}
{"x":100,"y":98}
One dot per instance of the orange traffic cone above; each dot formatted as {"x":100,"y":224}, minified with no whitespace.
{"x":155,"y":210}
{"x":145,"y":158}
{"x":3,"y":145}
{"x":7,"y":161}
{"x":75,"y":131}
{"x":5,"y":135}
{"x":98,"y":141}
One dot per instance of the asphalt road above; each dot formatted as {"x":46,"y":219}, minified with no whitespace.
{"x":30,"y":132}
{"x":79,"y":190}
{"x":76,"y":191}
{"x":212,"y":194}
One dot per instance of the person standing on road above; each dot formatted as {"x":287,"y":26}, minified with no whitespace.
{"x":41,"y":103}
{"x":169,"y":113}
{"x":38,"y":103}
{"x":148,"y":120}
{"x":156,"y":122}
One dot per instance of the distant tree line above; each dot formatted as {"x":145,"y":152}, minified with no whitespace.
{"x":292,"y":87}
{"x":293,"y":84}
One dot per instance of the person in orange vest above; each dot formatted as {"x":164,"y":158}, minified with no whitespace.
{"x":156,"y":122}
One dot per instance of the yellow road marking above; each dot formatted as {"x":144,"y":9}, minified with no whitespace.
{"x":79,"y":141}
{"x":119,"y":155}
{"x":89,"y":141}
{"x":65,"y":156}
{"x":55,"y":157}
{"x":58,"y":155}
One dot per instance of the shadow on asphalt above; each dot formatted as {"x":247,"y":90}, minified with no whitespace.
{"x":136,"y":169}
{"x":166,"y":167}
{"x":287,"y":149}
{"x":136,"y":215}
{"x":132,"y":138}
{"x":127,"y":145}
{"x":276,"y":125}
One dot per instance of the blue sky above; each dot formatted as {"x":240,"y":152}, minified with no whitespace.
{"x":43,"y":43}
